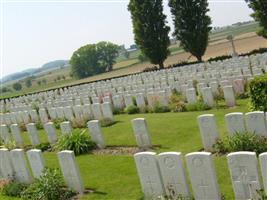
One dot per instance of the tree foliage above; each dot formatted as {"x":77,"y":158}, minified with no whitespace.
{"x":260,"y":14}
{"x":28,"y":82}
{"x":150,"y":29}
{"x":93,"y":59}
{"x":192,"y":25}
{"x":107,"y":54}
{"x":17,"y":86}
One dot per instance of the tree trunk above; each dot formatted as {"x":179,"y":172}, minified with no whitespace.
{"x":199,"y":58}
{"x":161,"y":65}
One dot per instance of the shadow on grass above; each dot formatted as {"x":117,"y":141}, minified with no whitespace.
{"x":89,"y":191}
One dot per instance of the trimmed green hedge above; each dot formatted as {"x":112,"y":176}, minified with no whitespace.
{"x":258,"y":93}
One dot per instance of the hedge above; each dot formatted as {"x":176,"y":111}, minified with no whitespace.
{"x":258,"y":93}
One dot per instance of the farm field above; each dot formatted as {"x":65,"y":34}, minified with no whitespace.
{"x":115,"y":176}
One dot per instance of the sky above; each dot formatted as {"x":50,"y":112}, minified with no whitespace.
{"x":34,"y":32}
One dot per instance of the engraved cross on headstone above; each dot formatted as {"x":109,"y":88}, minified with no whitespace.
{"x":203,"y":188}
{"x":244,"y":182}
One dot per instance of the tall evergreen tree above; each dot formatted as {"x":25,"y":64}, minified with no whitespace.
{"x":192,"y":25}
{"x":260,"y":15}
{"x":150,"y":29}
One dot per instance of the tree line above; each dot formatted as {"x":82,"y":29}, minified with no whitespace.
{"x":192,"y":26}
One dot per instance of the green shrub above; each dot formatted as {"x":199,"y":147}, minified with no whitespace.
{"x":57,"y":123}
{"x":242,"y":96}
{"x":106,"y":122}
{"x":218,"y":58}
{"x":220,"y":96}
{"x":43,"y":146}
{"x":22,"y":127}
{"x":50,"y":186}
{"x":17,"y":86}
{"x":117,"y":111}
{"x":160,"y":109}
{"x":79,"y":123}
{"x":241,"y":142}
{"x":79,"y":142}
{"x":11,"y":144}
{"x":12,"y":188}
{"x":39,"y":125}
{"x":258,"y":93}
{"x":132,"y":110}
{"x":177,"y":103}
{"x":199,"y":106}
{"x":134,"y":101}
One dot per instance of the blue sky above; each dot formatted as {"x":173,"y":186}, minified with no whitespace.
{"x":38,"y":32}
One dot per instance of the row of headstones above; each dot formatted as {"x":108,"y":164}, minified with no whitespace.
{"x":208,"y":94}
{"x":94,"y":127}
{"x":165,"y":174}
{"x":92,"y":99}
{"x":166,"y":70}
{"x":252,"y":122}
{"x":15,"y":133}
{"x":79,"y":113}
{"x":185,"y":69}
{"x":237,"y":84}
{"x":167,"y":77}
{"x":13,"y":164}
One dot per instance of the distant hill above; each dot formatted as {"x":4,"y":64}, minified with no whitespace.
{"x":34,"y":71}
{"x":54,"y":64}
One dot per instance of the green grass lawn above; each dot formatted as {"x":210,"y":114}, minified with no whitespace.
{"x":115,"y":176}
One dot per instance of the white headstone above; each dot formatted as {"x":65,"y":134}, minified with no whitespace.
{"x":202,"y":175}
{"x":207,"y":96}
{"x":15,"y":131}
{"x":256,"y":123}
{"x":36,"y":161}
{"x":96,"y":109}
{"x":149,"y":174}
{"x":214,"y":88}
{"x":68,"y":113}
{"x":4,"y":133}
{"x":65,"y":128}
{"x":243,"y":168}
{"x":43,"y":115}
{"x":239,"y":86}
{"x":87,"y":112}
{"x":128,"y":100}
{"x":263,"y":165}
{"x":141,"y":133}
{"x":118,"y":101}
{"x":173,"y":174}
{"x":208,"y":130}
{"x":191,"y":96}
{"x":33,"y":134}
{"x":78,"y":112}
{"x":96,"y":133}
{"x":52,"y":113}
{"x":6,"y":167}
{"x":235,"y":123}
{"x":19,"y":164}
{"x":51,"y":132}
{"x":34,"y":115}
{"x":140,"y":100}
{"x":70,"y":170}
{"x":107,"y":111}
{"x":229,"y":96}
{"x":60,"y":112}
